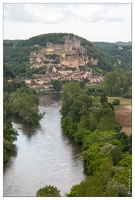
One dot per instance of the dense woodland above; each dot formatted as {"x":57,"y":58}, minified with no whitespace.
{"x":124,"y":55}
{"x":106,"y":151}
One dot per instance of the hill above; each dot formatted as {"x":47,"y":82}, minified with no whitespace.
{"x":16,"y":53}
{"x":120,"y":51}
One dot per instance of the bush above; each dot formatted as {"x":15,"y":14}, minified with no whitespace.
{"x":48,"y":191}
{"x":116,"y":102}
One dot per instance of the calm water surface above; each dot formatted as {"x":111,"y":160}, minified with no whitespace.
{"x":44,"y":156}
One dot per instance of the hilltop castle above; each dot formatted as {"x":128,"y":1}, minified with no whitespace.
{"x":68,"y":45}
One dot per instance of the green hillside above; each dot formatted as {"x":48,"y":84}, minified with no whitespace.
{"x":120,"y":51}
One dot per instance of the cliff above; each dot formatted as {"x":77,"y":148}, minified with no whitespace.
{"x":40,"y":58}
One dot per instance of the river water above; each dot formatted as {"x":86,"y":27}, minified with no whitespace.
{"x":44,"y":155}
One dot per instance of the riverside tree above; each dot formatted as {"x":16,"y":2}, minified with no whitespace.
{"x":48,"y":191}
{"x":25,"y":105}
{"x":106,"y":151}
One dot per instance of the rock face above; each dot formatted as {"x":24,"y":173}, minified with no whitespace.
{"x":40,"y":59}
{"x":70,"y":54}
{"x":73,"y":61}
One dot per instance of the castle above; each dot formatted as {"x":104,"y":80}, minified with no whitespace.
{"x":68,"y":45}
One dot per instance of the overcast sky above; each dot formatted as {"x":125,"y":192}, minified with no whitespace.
{"x":95,"y":22}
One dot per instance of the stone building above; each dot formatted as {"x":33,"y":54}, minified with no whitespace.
{"x":68,"y":45}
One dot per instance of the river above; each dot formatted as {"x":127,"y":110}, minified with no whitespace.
{"x":44,"y":155}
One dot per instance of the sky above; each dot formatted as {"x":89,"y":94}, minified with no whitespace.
{"x":108,"y":22}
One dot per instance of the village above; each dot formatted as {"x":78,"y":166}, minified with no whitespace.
{"x":45,"y":80}
{"x":62,"y":62}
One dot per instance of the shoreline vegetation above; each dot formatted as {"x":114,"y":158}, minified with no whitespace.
{"x":106,"y":151}
{"x":23,"y":102}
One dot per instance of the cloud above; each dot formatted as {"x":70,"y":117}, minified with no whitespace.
{"x":42,"y":13}
{"x":114,"y":19}
{"x":16,"y":12}
{"x":95,"y":13}
{"x":46,"y":13}
{"x":56,"y":13}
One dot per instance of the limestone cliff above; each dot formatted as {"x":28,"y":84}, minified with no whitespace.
{"x":40,"y":58}
{"x":73,"y":60}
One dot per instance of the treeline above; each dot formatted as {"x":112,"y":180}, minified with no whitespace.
{"x":106,"y":151}
{"x":118,"y":84}
{"x":115,"y":84}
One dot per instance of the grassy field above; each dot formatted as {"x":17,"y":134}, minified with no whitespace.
{"x":123,"y":113}
{"x":123,"y":101}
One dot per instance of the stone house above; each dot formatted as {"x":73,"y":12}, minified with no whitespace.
{"x":28,"y":81}
{"x":64,"y":71}
{"x":54,"y":76}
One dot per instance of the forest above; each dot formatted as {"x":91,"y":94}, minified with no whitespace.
{"x":106,"y":151}
{"x":122,"y":55}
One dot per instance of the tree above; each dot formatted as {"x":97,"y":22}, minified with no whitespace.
{"x":90,"y":187}
{"x":116,"y":154}
{"x":25,"y":104}
{"x":67,"y":101}
{"x":112,"y":83}
{"x":80,"y":135}
{"x":86,"y":99}
{"x":72,"y":88}
{"x":124,"y":139}
{"x":82,"y":84}
{"x":8,"y":72}
{"x":56,"y":85}
{"x":28,"y":72}
{"x":48,"y":191}
{"x":115,"y":188}
{"x":106,"y":123}
{"x":116,"y":102}
{"x":77,"y":109}
{"x":103,"y":98}
{"x":125,"y":85}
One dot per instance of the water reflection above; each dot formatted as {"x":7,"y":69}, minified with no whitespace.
{"x":48,"y":100}
{"x":44,"y":155}
{"x":27,"y":129}
{"x":12,"y":154}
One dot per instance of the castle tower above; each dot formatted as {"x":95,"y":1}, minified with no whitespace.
{"x":68,"y":37}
